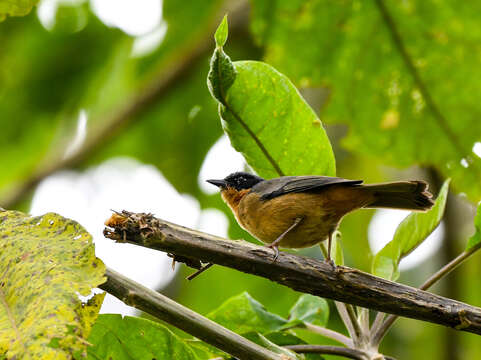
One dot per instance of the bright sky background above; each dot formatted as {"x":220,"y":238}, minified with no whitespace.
{"x":124,"y":183}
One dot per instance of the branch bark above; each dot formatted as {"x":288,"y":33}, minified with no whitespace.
{"x":162,"y":307}
{"x":299,"y":273}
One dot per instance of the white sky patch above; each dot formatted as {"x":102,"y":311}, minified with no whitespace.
{"x":80,"y":135}
{"x":146,"y":44}
{"x":47,"y":9}
{"x":213,"y":221}
{"x":477,"y":149}
{"x":382,"y":228}
{"x":464,"y":163}
{"x":221,"y":160}
{"x":121,"y":184}
{"x":133,"y":17}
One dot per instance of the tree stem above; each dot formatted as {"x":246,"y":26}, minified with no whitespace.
{"x":165,"y":309}
{"x":331,"y":334}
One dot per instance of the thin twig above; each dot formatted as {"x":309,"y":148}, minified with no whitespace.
{"x":300,"y":273}
{"x":165,"y":309}
{"x":347,"y":320}
{"x":446,"y":269}
{"x":331,"y":334}
{"x":355,"y":323}
{"x":200,"y":271}
{"x":350,"y":321}
{"x":331,"y":350}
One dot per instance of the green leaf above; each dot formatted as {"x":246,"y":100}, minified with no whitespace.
{"x":410,"y":233}
{"x":348,"y":48}
{"x":310,"y":308}
{"x":269,"y":122}
{"x":264,"y":342}
{"x":131,"y":338}
{"x":45,"y":262}
{"x":222,"y":32}
{"x":475,"y":240}
{"x":243,"y":314}
{"x":16,"y":7}
{"x":221,"y":75}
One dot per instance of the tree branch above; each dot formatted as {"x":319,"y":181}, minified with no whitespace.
{"x":299,"y":273}
{"x":331,"y":350}
{"x":162,"y":307}
{"x":379,"y":332}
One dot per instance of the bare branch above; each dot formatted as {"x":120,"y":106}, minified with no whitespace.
{"x":299,"y":273}
{"x":331,"y":334}
{"x":162,"y":307}
{"x":331,"y":350}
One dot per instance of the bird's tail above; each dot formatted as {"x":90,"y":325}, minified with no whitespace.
{"x":407,"y":195}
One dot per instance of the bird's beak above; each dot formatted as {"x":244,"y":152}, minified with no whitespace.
{"x":219,"y":183}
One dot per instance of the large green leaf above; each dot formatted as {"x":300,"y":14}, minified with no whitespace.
{"x":45,"y":262}
{"x":410,"y":233}
{"x":311,"y":309}
{"x":243,"y":314}
{"x":405,"y":86}
{"x":15,"y":7}
{"x":131,"y":338}
{"x":475,"y":240}
{"x":267,"y":120}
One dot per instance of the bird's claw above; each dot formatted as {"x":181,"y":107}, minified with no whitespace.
{"x":330,"y":262}
{"x":276,"y":251}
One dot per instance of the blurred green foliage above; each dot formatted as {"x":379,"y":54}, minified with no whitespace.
{"x":15,"y":8}
{"x":389,"y":100}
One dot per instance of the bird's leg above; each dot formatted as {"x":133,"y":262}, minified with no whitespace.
{"x":274,"y":244}
{"x":329,"y":243}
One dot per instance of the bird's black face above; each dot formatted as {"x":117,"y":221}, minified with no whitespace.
{"x":238,"y":181}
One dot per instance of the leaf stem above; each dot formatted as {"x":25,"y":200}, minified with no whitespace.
{"x":446,"y":269}
{"x":160,"y":306}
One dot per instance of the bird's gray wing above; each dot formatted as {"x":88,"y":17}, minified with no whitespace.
{"x":296,"y":184}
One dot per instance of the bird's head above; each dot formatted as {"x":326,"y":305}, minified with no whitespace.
{"x":237,"y":181}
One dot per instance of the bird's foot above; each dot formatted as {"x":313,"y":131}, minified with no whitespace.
{"x":330,"y":262}
{"x":276,"y":251}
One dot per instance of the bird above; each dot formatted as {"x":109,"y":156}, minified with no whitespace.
{"x":302,"y":211}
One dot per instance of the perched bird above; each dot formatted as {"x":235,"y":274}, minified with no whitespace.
{"x":301,"y":211}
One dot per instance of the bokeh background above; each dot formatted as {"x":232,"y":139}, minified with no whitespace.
{"x":104,"y":105}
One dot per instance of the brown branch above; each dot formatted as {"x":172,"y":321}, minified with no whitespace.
{"x":330,"y":350}
{"x":379,"y":333}
{"x":162,"y":307}
{"x":299,"y":273}
{"x":119,"y":120}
